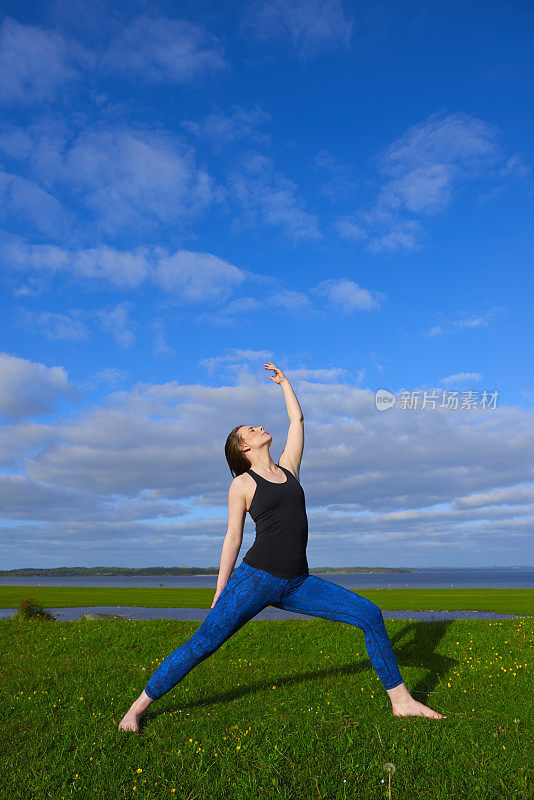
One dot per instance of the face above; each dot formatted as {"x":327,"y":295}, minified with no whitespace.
{"x":254,"y":437}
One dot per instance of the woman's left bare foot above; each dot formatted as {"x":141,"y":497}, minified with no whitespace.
{"x":413,"y":708}
{"x":130,"y":721}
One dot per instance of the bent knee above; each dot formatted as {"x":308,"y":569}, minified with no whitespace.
{"x":374,"y":613}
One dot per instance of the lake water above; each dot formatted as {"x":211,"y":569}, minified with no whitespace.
{"x":138,"y":612}
{"x":426,"y":578}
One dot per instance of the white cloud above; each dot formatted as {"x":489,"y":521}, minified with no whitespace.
{"x":314,"y":27}
{"x":234,"y":359}
{"x":127,"y":178}
{"x":421,"y":172}
{"x":466,"y":319}
{"x":403,"y":235}
{"x":480,"y":320}
{"x":432,"y":478}
{"x":197,"y":277}
{"x":351,"y":230}
{"x":425,"y":190}
{"x":160,"y":346}
{"x":515,"y":496}
{"x":340,"y":184}
{"x":117,"y":321}
{"x":111,"y":376}
{"x":514,"y":168}
{"x":79,"y":324}
{"x":187,"y":277}
{"x":137,"y":180}
{"x":321,"y":375}
{"x":426,"y":162}
{"x":158,"y":49}
{"x":231,"y":311}
{"x":346,"y":295}
{"x":437,"y":330}
{"x":28,"y":388}
{"x":20,"y":438}
{"x":24,"y":499}
{"x":23,"y":202}
{"x":223,"y":129}
{"x":34,"y":63}
{"x":290,"y":302}
{"x":194,"y":277}
{"x":153,"y":429}
{"x":126,"y":269}
{"x":267,"y":198}
{"x":53,"y":325}
{"x":461,"y":377}
{"x":447,"y":140}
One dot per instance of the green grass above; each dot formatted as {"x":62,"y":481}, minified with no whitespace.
{"x":284,"y":709}
{"x":501,"y":601}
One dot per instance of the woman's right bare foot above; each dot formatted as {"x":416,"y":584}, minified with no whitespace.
{"x":413,"y":708}
{"x":404,"y":705}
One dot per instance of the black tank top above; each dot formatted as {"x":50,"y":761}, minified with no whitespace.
{"x":279,"y":511}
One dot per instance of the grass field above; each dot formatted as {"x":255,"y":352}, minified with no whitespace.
{"x":284,"y":709}
{"x":501,"y":601}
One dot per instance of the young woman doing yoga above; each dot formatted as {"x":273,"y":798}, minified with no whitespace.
{"x":274,"y":571}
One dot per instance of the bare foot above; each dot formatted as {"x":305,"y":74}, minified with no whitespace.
{"x":130,"y":721}
{"x":413,"y":708}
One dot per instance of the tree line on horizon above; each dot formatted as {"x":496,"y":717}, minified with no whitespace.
{"x":101,"y":572}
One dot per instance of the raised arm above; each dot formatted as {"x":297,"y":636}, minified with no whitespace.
{"x":292,"y":454}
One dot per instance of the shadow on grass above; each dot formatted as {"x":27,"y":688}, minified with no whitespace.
{"x":418,"y":649}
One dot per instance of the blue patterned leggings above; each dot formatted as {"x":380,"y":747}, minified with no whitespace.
{"x":248,"y":591}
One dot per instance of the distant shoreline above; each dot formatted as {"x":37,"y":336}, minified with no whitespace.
{"x":166,"y":572}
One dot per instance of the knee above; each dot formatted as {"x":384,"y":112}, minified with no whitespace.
{"x":373,"y":613}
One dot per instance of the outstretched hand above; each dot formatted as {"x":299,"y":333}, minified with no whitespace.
{"x":279,"y":377}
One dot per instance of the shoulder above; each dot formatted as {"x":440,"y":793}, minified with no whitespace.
{"x":240,"y":491}
{"x":240,"y":484}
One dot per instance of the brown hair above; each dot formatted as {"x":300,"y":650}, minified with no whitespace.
{"x":237,"y":460}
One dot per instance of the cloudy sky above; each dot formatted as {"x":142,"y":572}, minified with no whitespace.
{"x":189,"y":190}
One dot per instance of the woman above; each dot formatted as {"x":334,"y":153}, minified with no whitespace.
{"x":275,"y":570}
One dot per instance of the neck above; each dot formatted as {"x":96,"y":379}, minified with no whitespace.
{"x":263,"y":465}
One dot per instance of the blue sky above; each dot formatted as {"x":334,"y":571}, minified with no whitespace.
{"x":190,"y":190}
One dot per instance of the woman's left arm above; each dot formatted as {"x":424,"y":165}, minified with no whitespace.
{"x":292,"y":455}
